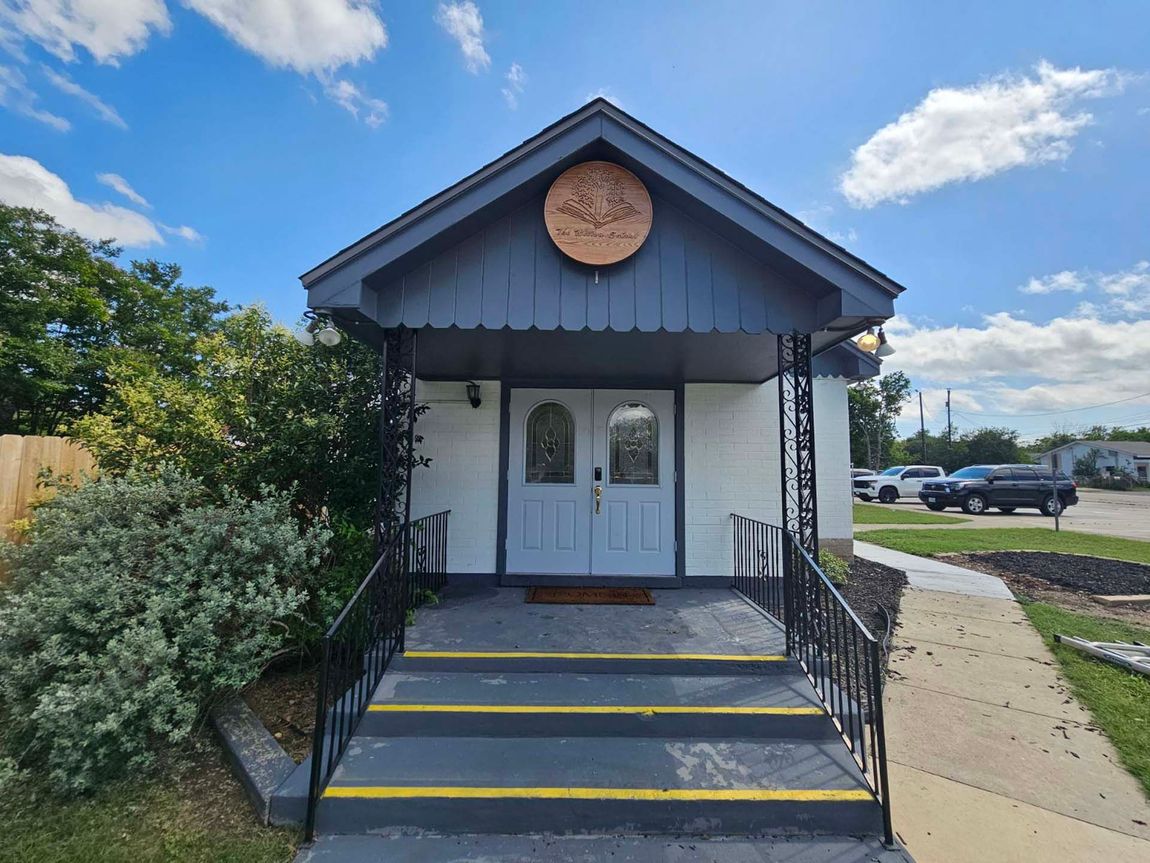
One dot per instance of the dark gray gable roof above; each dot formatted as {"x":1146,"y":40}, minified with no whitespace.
{"x":754,"y":223}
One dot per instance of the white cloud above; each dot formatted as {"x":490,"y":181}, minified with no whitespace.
{"x":353,"y":100}
{"x":970,"y":133}
{"x":106,"y":29}
{"x":1011,"y":365}
{"x":66,"y":85}
{"x":119,"y":184}
{"x":304,"y":35}
{"x":16,"y":95}
{"x":1129,"y":291}
{"x":24,"y":182}
{"x":1067,"y":280}
{"x":1126,"y":293}
{"x":184,"y":232}
{"x":516,"y":81}
{"x":463,"y":21}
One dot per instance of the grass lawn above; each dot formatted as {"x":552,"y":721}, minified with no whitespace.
{"x":930,"y":542}
{"x":196,"y":813}
{"x":878,"y":513}
{"x":1118,"y":699}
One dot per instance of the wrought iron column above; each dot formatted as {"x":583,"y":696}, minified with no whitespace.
{"x":797,"y":441}
{"x":396,"y":457}
{"x":396,"y":434}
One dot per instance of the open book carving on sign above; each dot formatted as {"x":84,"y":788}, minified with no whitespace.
{"x":599,"y":199}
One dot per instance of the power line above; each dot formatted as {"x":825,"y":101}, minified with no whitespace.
{"x":1068,"y":410}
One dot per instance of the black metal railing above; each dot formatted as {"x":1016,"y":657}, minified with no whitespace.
{"x":759,"y":551}
{"x":428,"y":556}
{"x":836,"y":650}
{"x":366,"y":634}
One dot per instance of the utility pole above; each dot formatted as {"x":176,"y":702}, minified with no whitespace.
{"x":949,"y":427}
{"x":922,"y":427}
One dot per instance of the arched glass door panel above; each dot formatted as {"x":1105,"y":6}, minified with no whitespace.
{"x":549,"y":451}
{"x":633,"y":445}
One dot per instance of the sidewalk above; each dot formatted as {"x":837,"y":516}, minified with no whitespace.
{"x":991,"y":758}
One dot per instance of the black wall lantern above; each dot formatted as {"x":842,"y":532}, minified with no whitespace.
{"x":473,"y":394}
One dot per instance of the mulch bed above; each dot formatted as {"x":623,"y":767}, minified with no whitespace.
{"x":871,"y":587}
{"x":284,"y":700}
{"x":1067,"y":580}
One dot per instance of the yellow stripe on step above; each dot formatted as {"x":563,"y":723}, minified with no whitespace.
{"x":648,"y":710}
{"x":757,"y":795}
{"x":517,"y":654}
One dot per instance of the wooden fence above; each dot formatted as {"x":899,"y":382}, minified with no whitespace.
{"x":21,"y":460}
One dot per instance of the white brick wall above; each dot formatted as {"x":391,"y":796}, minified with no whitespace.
{"x":732,"y":464}
{"x":463,"y":445}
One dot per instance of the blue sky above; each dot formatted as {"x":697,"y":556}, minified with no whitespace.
{"x":991,"y":157}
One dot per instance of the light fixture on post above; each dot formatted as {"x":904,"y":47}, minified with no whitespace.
{"x":868,"y":341}
{"x":884,"y":349}
{"x":318,"y":329}
{"x":473,"y":394}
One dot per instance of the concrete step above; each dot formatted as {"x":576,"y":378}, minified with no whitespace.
{"x":595,"y":849}
{"x":597,"y":785}
{"x":727,"y":664}
{"x":540,"y":704}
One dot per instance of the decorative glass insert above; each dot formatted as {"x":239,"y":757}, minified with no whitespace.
{"x":550,"y":449}
{"x":633,"y":445}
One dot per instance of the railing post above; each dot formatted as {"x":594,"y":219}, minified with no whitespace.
{"x":317,"y":741}
{"x":880,"y":745}
{"x":789,"y":620}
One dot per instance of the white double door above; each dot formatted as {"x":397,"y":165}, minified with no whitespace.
{"x":591,"y":482}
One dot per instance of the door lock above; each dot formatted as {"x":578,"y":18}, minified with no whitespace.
{"x":598,"y":497}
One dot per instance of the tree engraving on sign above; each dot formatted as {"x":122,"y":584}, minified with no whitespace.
{"x":598,"y":213}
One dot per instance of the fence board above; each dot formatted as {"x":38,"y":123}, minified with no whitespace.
{"x":21,"y":460}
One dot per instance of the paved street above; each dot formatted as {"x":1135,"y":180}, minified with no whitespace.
{"x":1111,"y":513}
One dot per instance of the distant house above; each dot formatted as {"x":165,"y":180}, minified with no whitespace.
{"x":1114,"y":456}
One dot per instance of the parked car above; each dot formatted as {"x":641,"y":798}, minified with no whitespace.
{"x":1005,"y":487}
{"x":895,"y":482}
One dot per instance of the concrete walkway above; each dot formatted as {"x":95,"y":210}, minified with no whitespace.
{"x":991,"y":757}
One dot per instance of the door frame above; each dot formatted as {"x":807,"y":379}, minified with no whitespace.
{"x":678,"y":388}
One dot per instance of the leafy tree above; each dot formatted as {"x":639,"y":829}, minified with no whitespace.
{"x":68,"y":312}
{"x":1087,"y":464}
{"x":873,"y":406}
{"x":990,"y":446}
{"x":255,"y":408}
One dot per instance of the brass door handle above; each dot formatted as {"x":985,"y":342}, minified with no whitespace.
{"x":598,"y":497}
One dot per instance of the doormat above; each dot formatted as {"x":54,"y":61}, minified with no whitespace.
{"x":590,"y":595}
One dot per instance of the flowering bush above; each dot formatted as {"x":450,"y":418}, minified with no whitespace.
{"x":135,"y":603}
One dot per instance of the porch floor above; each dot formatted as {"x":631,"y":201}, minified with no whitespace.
{"x":686,"y":621}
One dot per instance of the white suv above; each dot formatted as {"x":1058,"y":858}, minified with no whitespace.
{"x":895,"y":482}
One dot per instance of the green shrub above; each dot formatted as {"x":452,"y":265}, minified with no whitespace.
{"x":834,"y":567}
{"x":135,"y":604}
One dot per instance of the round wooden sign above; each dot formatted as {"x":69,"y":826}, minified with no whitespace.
{"x":598,"y":213}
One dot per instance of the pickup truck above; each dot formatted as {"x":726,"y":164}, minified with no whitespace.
{"x":895,"y":482}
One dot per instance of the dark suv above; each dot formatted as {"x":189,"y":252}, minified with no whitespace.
{"x":1005,"y":487}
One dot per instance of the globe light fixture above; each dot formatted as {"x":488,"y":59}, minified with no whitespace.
{"x":884,"y":349}
{"x":318,"y":329}
{"x":329,"y":336}
{"x":868,"y":341}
